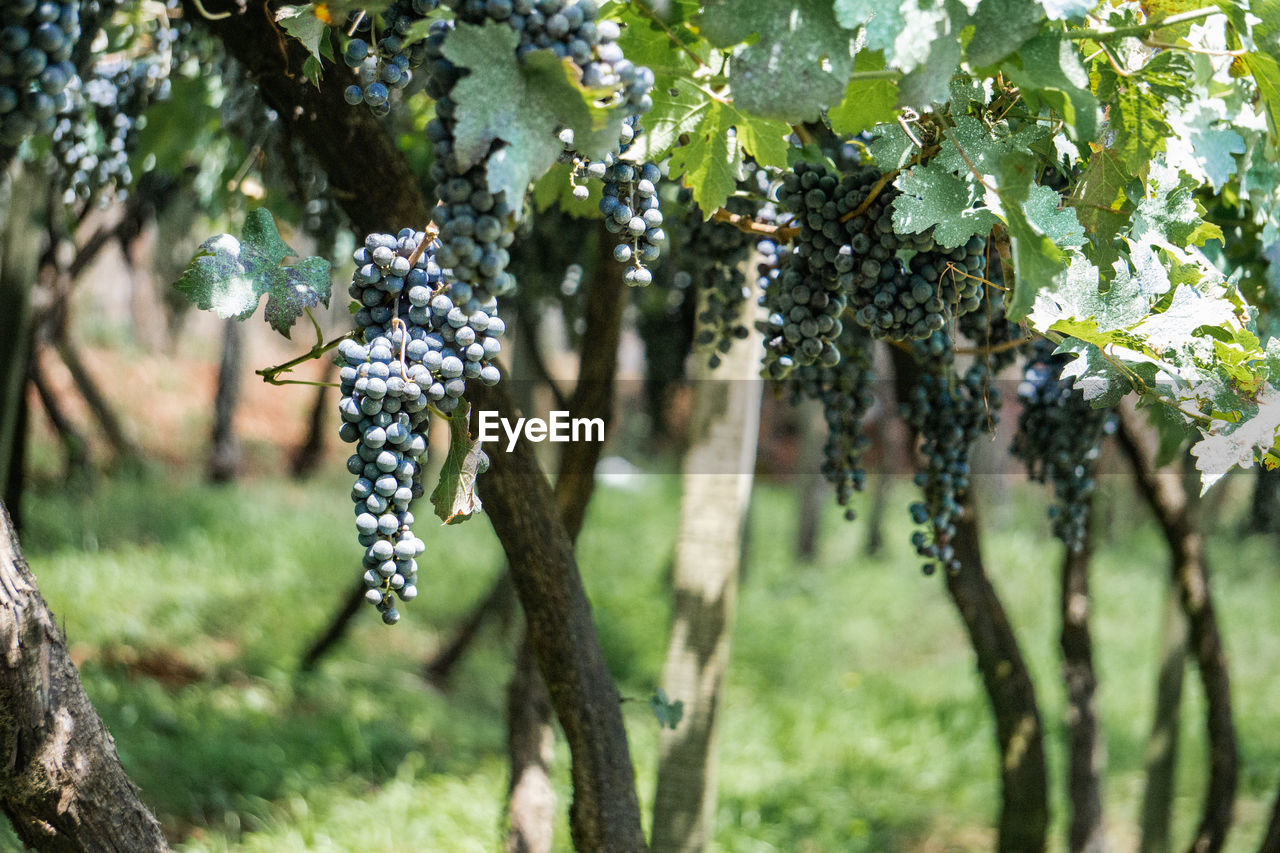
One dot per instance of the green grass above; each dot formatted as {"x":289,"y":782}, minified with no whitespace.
{"x":853,"y":717}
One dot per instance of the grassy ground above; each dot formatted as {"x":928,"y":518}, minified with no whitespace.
{"x":853,"y":721}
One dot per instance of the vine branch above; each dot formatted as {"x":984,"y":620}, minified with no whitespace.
{"x":1104,"y":33}
{"x":782,"y":233}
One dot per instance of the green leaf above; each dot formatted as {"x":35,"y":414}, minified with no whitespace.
{"x":1001,"y":27}
{"x":229,"y":276}
{"x":890,"y":147}
{"x":1058,"y":224}
{"x":1048,"y":72}
{"x":1101,"y":203}
{"x":1173,"y":213}
{"x":454,"y":497}
{"x":301,"y":23}
{"x":521,"y":105}
{"x":933,"y":197}
{"x":667,"y":713}
{"x":796,"y":61}
{"x":711,"y":161}
{"x":867,"y":102}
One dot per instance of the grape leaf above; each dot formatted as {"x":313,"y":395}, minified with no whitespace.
{"x":1172,"y":212}
{"x":301,"y":23}
{"x":1048,"y":71}
{"x":1102,"y":205}
{"x":1001,"y":27}
{"x":867,"y":102}
{"x":932,"y":197}
{"x":890,"y":147}
{"x":229,"y":276}
{"x":1058,"y":224}
{"x":1201,"y":146}
{"x":454,"y":497}
{"x":796,"y":61}
{"x":1060,"y":10}
{"x":720,"y":135}
{"x":522,"y":105}
{"x":1224,"y":445}
{"x":667,"y":713}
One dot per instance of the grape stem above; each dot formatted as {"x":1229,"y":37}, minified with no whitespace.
{"x":429,"y":234}
{"x":271,"y":374}
{"x":1101,"y":34}
{"x":782,"y":233}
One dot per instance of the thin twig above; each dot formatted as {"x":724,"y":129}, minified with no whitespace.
{"x":269,"y":374}
{"x":1101,"y":34}
{"x":782,"y":233}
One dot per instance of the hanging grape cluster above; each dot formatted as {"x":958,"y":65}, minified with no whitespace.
{"x":476,"y":225}
{"x":37,"y":39}
{"x":95,"y":136}
{"x":387,"y":64}
{"x":1059,"y":437}
{"x":420,"y":338}
{"x":711,"y":273}
{"x":949,"y":411}
{"x":803,"y":301}
{"x":846,"y":392}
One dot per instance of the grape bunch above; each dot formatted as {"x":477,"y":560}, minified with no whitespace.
{"x":94,"y":138}
{"x":712,"y":267}
{"x":998,"y":339}
{"x":949,"y":412}
{"x":1059,"y":438}
{"x":891,"y":299}
{"x":804,"y":301}
{"x":630,"y":207}
{"x":387,"y":64}
{"x":384,"y":412}
{"x":37,"y":39}
{"x":629,"y":200}
{"x":846,"y":392}
{"x":448,"y":330}
{"x":419,"y":339}
{"x":476,"y":226}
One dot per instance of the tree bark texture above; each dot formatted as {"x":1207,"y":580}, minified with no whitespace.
{"x":531,"y":742}
{"x":531,"y":736}
{"x":1162,"y":742}
{"x":63,"y":787}
{"x":357,"y":154}
{"x":1085,"y":749}
{"x":724,"y":426}
{"x":20,"y":247}
{"x":224,"y":449}
{"x":1024,"y":809}
{"x":1174,"y":505}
